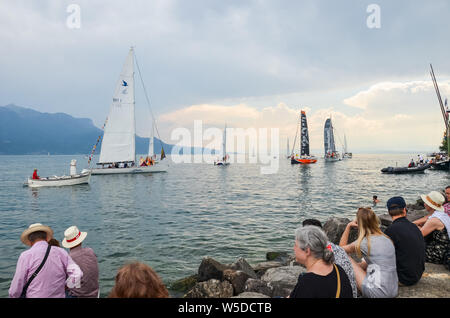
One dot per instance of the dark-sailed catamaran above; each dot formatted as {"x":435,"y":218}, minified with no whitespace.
{"x":304,"y":157}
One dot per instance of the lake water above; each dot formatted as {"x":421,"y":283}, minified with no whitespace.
{"x":172,"y":220}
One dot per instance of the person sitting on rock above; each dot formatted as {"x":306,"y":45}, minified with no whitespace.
{"x":408,"y":241}
{"x":340,"y":257}
{"x":376,"y":276}
{"x":435,"y":228}
{"x":138,"y":280}
{"x":324,"y":278}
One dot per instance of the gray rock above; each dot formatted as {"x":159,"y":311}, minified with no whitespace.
{"x":435,"y":283}
{"x":282,"y":279}
{"x":237,"y":279}
{"x":250,"y":295}
{"x":258,"y":286}
{"x":261,"y":268}
{"x":334,"y":227}
{"x":412,"y":215}
{"x":184,"y":284}
{"x":211,"y":269}
{"x":212,"y":288}
{"x":242,"y":265}
{"x":277,"y":256}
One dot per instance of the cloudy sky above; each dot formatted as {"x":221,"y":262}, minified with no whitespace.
{"x":246,"y":63}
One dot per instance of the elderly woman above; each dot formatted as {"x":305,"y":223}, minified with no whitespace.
{"x":435,"y":228}
{"x":323,"y":278}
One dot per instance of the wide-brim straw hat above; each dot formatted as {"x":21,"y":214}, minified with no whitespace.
{"x":35,"y":228}
{"x":434,"y":200}
{"x":73,"y":237}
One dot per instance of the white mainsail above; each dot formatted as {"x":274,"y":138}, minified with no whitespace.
{"x":151,"y":143}
{"x":118,"y":143}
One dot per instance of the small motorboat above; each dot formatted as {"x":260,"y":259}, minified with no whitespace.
{"x":441,"y":165}
{"x":404,"y":170}
{"x":57,"y":181}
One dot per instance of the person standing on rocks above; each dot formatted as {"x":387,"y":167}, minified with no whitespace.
{"x":376,"y":276}
{"x":408,"y":241}
{"x":324,"y":278}
{"x":340,"y":257}
{"x":435,"y":228}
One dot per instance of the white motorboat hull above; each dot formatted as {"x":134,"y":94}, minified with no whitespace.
{"x":158,"y":167}
{"x":59,"y":181}
{"x":332,"y":159}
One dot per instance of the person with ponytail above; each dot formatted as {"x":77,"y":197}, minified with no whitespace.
{"x":376,"y":276}
{"x":323,"y":278}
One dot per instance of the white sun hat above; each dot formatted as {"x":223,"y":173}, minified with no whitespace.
{"x":434,"y":200}
{"x":73,"y":236}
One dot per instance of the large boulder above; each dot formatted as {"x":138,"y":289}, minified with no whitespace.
{"x":282,"y":279}
{"x":237,"y":279}
{"x":242,"y":265}
{"x":250,"y":295}
{"x":435,"y":283}
{"x":184,"y":284}
{"x":262,"y":267}
{"x":212,"y":288}
{"x":412,"y":215}
{"x":258,"y":286}
{"x":211,"y":269}
{"x":334,"y":227}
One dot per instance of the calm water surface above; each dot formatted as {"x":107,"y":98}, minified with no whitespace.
{"x":171,"y":220}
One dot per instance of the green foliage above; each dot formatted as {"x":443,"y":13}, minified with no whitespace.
{"x":444,"y":145}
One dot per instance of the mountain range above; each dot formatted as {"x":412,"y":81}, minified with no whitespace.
{"x":24,"y":131}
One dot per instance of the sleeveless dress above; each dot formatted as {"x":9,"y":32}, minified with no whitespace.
{"x":381,"y":280}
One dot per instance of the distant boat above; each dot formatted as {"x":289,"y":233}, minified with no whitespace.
{"x":405,"y":170}
{"x":73,"y":179}
{"x":223,"y":161}
{"x":289,"y":153}
{"x":303,"y":157}
{"x":118,"y":150}
{"x":345,"y":153}
{"x":331,"y":155}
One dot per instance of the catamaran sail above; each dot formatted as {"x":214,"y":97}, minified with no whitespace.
{"x":305,"y":157}
{"x":118,"y":150}
{"x":330,"y":148}
{"x":346,"y":154}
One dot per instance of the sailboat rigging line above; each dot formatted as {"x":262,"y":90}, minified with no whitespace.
{"x":95,"y":146}
{"x":296,"y":133}
{"x":148,"y":100}
{"x":436,"y":87}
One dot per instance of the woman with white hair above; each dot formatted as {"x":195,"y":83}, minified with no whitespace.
{"x":435,"y":228}
{"x":324,"y":278}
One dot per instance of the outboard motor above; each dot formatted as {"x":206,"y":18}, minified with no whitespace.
{"x":73,"y":167}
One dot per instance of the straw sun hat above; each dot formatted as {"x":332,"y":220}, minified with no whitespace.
{"x":35,"y":228}
{"x":73,"y":236}
{"x":434,"y":200}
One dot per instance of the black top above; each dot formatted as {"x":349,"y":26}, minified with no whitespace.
{"x":409,"y":250}
{"x":310,"y":285}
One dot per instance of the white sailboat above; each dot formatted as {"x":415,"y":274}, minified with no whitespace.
{"x":223,"y":160}
{"x":118,"y":150}
{"x":331,"y":154}
{"x":345,"y":153}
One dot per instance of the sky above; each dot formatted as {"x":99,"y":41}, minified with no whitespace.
{"x":246,"y":64}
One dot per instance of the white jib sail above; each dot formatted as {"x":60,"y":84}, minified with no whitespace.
{"x":151,"y":143}
{"x":118,"y":144}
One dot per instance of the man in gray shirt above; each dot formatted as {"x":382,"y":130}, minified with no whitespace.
{"x":86,"y":260}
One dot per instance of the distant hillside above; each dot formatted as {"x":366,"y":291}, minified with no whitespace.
{"x":24,"y":131}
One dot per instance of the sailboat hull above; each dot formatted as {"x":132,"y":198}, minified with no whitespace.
{"x":159,"y":167}
{"x":303,"y":161}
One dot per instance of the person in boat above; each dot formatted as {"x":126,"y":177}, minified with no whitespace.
{"x":138,"y":280}
{"x":435,"y":228}
{"x":376,"y":276}
{"x":411,"y":164}
{"x":86,"y":259}
{"x":141,"y":162}
{"x":408,"y":241}
{"x":340,"y":257}
{"x":59,"y":270}
{"x":35,"y":175}
{"x":323,"y":277}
